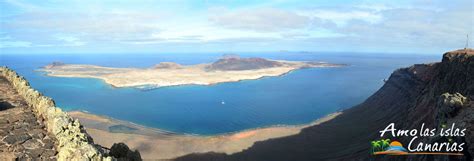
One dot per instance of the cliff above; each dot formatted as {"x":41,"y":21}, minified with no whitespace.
{"x":435,"y":94}
{"x":71,"y":141}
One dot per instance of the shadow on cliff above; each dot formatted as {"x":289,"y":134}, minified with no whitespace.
{"x":409,"y":98}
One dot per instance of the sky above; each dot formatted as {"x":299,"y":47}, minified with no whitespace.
{"x":174,"y":26}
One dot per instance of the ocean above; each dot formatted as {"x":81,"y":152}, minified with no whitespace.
{"x":298,"y":97}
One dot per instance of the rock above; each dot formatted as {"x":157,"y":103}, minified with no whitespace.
{"x":122,"y":152}
{"x":49,"y":153}
{"x":35,"y":153}
{"x":21,"y":125}
{"x":448,"y":105}
{"x":30,"y":120}
{"x":10,"y":139}
{"x":37,"y":133}
{"x":19,"y":131}
{"x":23,"y":156}
{"x":119,"y":150}
{"x":32,"y":144}
{"x":18,"y":148}
{"x":22,"y":138}
{"x":3,"y":133}
{"x":48,"y":143}
{"x":13,"y":119}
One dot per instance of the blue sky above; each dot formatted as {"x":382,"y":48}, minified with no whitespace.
{"x":172,"y":26}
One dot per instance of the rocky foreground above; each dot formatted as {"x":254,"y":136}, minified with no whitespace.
{"x":33,"y":128}
{"x":436,"y":94}
{"x":227,"y":69}
{"x":22,"y":135}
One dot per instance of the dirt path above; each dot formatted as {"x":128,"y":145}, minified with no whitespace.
{"x":22,"y":136}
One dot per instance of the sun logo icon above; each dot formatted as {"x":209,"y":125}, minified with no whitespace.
{"x":384,"y":146}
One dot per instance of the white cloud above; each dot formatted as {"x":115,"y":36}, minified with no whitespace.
{"x":343,"y":17}
{"x":395,"y":25}
{"x":101,"y":26}
{"x":69,"y":40}
{"x":8,"y":42}
{"x":413,"y":29}
{"x":261,"y":19}
{"x":374,"y":7}
{"x":201,"y":34}
{"x":14,"y":44}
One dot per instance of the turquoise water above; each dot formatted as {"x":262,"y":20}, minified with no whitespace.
{"x":295,"y":98}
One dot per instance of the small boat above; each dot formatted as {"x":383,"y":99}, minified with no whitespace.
{"x":223,"y":102}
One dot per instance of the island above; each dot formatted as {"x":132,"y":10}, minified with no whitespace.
{"x":226,"y":69}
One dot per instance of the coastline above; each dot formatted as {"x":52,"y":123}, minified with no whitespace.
{"x":160,"y":144}
{"x":198,"y":74}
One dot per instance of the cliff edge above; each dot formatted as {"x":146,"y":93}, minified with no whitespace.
{"x":435,"y":94}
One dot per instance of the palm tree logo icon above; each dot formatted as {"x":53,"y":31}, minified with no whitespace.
{"x":379,"y":145}
{"x":385,"y":146}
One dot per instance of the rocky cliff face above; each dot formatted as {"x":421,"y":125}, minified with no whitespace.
{"x":435,"y":94}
